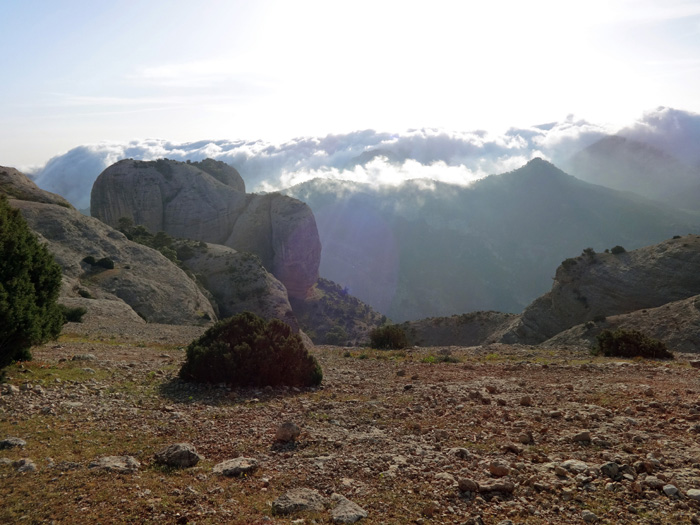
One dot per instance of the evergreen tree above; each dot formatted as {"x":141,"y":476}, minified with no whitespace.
{"x":30,"y":281}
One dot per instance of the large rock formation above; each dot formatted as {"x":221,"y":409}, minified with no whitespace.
{"x":16,"y":185}
{"x":151,"y":286}
{"x":238,"y":282}
{"x":596,"y":285}
{"x":677,"y":324}
{"x":207,"y":201}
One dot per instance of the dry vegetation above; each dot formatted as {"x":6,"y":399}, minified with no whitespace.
{"x":393,"y":431}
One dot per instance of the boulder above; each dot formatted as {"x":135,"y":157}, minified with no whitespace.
{"x":12,"y":442}
{"x":238,"y":282}
{"x":178,"y":455}
{"x":117,"y":464}
{"x":186,"y":201}
{"x":298,"y":500}
{"x":236,"y":467}
{"x":346,"y":511}
{"x":154,"y":288}
{"x":287,"y":432}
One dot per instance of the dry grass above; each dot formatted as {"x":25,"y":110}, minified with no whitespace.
{"x":371,"y":433}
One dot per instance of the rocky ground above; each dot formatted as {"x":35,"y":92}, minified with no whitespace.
{"x":495,"y":435}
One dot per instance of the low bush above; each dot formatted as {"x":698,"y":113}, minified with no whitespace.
{"x":388,"y":337}
{"x":106,"y":263}
{"x":72,"y":315}
{"x":631,"y":343}
{"x":245,"y":350}
{"x":617,"y":250}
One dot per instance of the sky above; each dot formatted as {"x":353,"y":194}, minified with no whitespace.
{"x":84,"y":72}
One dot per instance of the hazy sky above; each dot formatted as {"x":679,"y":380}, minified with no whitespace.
{"x":77,"y":72}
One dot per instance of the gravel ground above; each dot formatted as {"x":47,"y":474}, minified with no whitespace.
{"x":504,"y":433}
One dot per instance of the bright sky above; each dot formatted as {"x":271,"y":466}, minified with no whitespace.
{"x":77,"y":72}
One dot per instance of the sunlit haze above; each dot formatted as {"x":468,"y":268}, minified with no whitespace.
{"x":81,"y":72}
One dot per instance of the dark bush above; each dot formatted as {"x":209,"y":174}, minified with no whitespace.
{"x":106,"y":263}
{"x":388,"y":337}
{"x":84,"y":293}
{"x":244,"y":350}
{"x":631,"y":343}
{"x":30,"y":281}
{"x":569,"y":263}
{"x":617,"y":250}
{"x":90,"y":260}
{"x":185,"y":252}
{"x":72,"y":315}
{"x":336,"y":336}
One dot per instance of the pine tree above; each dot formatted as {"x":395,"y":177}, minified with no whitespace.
{"x":30,"y":281}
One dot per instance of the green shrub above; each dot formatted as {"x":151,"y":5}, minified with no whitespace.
{"x":90,"y":260}
{"x":631,"y":343}
{"x":74,"y":314}
{"x":336,"y":336}
{"x":245,"y":350}
{"x":106,"y":263}
{"x":388,"y":337}
{"x":30,"y":281}
{"x":569,"y":263}
{"x":617,"y":250}
{"x":85,"y":293}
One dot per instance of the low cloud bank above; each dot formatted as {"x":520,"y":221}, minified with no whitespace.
{"x":367,"y":156}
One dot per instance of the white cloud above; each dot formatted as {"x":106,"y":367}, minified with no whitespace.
{"x":454,"y":157}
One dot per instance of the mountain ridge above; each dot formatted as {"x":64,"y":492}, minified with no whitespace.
{"x":433,"y":249}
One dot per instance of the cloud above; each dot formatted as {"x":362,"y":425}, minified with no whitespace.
{"x":670,"y":130}
{"x":389,"y":158}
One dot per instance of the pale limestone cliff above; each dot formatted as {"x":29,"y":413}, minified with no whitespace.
{"x":677,"y":324}
{"x":606,"y":284}
{"x":239,"y":282}
{"x":186,"y":201}
{"x":157,"y":290}
{"x":16,"y":185}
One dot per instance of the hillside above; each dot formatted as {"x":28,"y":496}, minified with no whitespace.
{"x":596,"y":285}
{"x":247,"y":236}
{"x":428,"y":249}
{"x":654,"y":290}
{"x":112,"y":276}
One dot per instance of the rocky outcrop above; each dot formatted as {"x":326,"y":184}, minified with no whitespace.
{"x":470,"y":329}
{"x":17,"y":185}
{"x":238,"y":283}
{"x":196,"y":201}
{"x":331,"y":316}
{"x":156,"y":289}
{"x":596,"y":285}
{"x":142,"y":283}
{"x":677,"y":324}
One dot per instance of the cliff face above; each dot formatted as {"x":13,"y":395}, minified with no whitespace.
{"x":238,"y":282}
{"x":151,"y":286}
{"x":16,"y":185}
{"x":677,"y":324}
{"x":605,"y":284}
{"x":197,"y":201}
